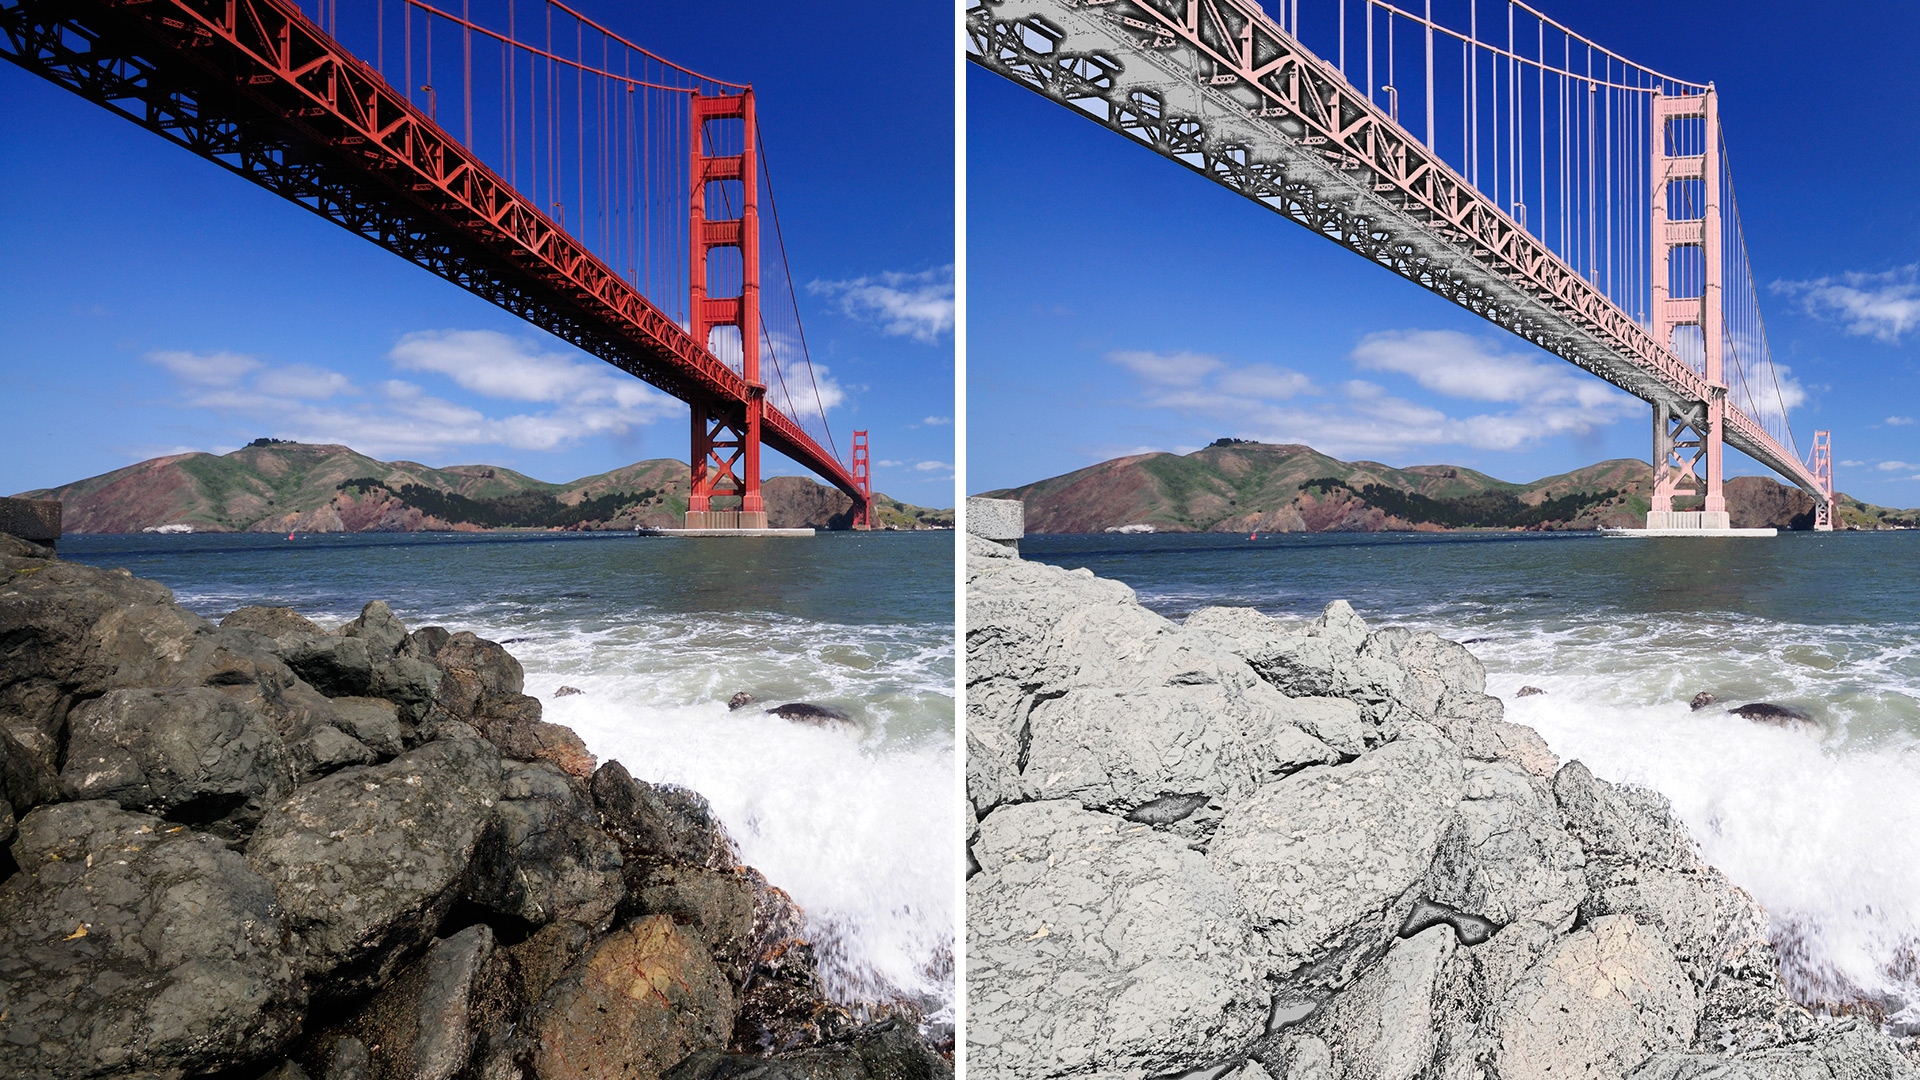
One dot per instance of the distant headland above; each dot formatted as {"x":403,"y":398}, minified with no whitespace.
{"x":271,"y":485}
{"x":1235,"y":485}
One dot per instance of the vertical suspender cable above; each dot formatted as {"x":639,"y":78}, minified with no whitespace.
{"x":466,"y":72}
{"x":1429,"y":29}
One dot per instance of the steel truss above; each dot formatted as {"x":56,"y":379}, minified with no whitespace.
{"x":1218,"y":87}
{"x":256,"y":87}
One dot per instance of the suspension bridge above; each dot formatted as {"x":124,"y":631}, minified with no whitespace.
{"x":518,"y":149}
{"x":1530,"y":175}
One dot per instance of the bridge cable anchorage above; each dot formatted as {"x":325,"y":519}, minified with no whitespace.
{"x":1539,"y":198}
{"x":277,"y":94}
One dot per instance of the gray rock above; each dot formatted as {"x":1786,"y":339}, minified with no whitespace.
{"x":1602,"y":1000}
{"x":1621,"y":824}
{"x":368,"y":860}
{"x":191,"y":754}
{"x":1321,"y":858}
{"x":542,"y":858}
{"x":512,"y":723}
{"x":1432,"y":668}
{"x":379,"y":628}
{"x":370,"y":720}
{"x":1701,"y":700}
{"x":1099,"y":946}
{"x":26,"y":781}
{"x":1384,"y":1026}
{"x":739,"y":701}
{"x":1505,"y":856}
{"x":349,"y":1060}
{"x":1765,"y":712}
{"x":1477,"y":723}
{"x":274,"y":622}
{"x":128,"y":943}
{"x":1847,"y":1051}
{"x":979,"y":547}
{"x":422,"y":1020}
{"x":887,"y":1051}
{"x":664,"y":824}
{"x":335,"y":666}
{"x":1324,"y":657}
{"x":475,"y":668}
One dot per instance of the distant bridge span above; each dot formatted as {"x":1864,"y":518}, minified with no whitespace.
{"x":1632,"y":265}
{"x":263,"y":90}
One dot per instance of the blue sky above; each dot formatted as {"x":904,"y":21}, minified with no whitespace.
{"x":151,"y":302}
{"x":1118,"y":303}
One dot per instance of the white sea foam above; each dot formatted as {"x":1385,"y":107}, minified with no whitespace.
{"x":857,"y":825}
{"x":1817,"y":825}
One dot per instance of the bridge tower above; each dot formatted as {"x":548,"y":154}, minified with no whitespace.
{"x":726,"y":436}
{"x":863,"y":479}
{"x":1823,"y":472}
{"x":1686,"y":246}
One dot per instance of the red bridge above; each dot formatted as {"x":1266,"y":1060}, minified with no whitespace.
{"x":658,"y":168}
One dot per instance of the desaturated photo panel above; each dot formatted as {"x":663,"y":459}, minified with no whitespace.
{"x":477,"y":562}
{"x":1437,"y":596}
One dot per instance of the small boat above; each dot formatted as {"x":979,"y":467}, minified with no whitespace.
{"x":1255,"y":536}
{"x":289,"y":536}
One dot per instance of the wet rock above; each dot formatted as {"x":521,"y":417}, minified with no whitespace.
{"x":191,"y":754}
{"x":641,"y":1000}
{"x":1528,"y":691}
{"x":542,"y":858}
{"x":274,"y":622}
{"x":367,"y":861}
{"x":655,"y":825}
{"x":1468,"y":929}
{"x":1621,"y":824}
{"x":784,"y":1007}
{"x":512,"y":722}
{"x":887,"y":1051}
{"x":1778,"y":715}
{"x":1701,"y":700}
{"x":1840,"y":1051}
{"x":801,"y":712}
{"x":568,"y":691}
{"x":422,"y":1021}
{"x":715,"y":906}
{"x":1076,"y":954}
{"x":1602,"y":1000}
{"x":739,"y":701}
{"x":1319,"y":858}
{"x":349,"y":1060}
{"x":128,"y":943}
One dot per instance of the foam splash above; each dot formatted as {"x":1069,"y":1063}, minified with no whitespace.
{"x":1816,"y":824}
{"x":854,"y":823}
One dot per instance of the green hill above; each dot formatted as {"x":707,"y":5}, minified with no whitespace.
{"x":1239,"y":486}
{"x":272,"y":486}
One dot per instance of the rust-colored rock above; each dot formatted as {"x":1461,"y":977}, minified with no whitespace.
{"x":640,"y":1001}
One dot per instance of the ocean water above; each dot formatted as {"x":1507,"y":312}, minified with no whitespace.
{"x":1621,"y":632}
{"x":859,"y":826}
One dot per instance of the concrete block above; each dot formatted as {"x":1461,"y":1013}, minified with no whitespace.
{"x":37,"y":520}
{"x":1003,"y":520}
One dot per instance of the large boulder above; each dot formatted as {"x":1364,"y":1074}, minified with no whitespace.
{"x":1096,"y":945}
{"x":1849,"y":1050}
{"x":1505,"y":856}
{"x":642,"y":999}
{"x":423,"y":1020}
{"x":367,"y":861}
{"x":1325,"y":860}
{"x":663,"y":824}
{"x":541,"y":858}
{"x":1385,"y":1026}
{"x":1323,"y":657}
{"x":129,"y":943}
{"x":887,"y":1051}
{"x":1603,"y":999}
{"x":190,"y":754}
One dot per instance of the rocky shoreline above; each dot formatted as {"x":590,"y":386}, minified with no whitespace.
{"x":1241,"y":848}
{"x":263,"y":849}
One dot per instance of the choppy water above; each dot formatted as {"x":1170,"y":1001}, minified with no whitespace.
{"x":1621,"y":633}
{"x":860,"y":828}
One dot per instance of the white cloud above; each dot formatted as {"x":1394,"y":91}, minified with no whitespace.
{"x":803,"y":397}
{"x":1360,"y":417}
{"x":303,"y":382}
{"x":937,"y":421}
{"x":1884,"y":305}
{"x":1853,"y":464}
{"x":1899,"y":421}
{"x":919,"y":306}
{"x":584,"y":397}
{"x":930,"y":466}
{"x":1896,"y":466}
{"x":205,"y":369}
